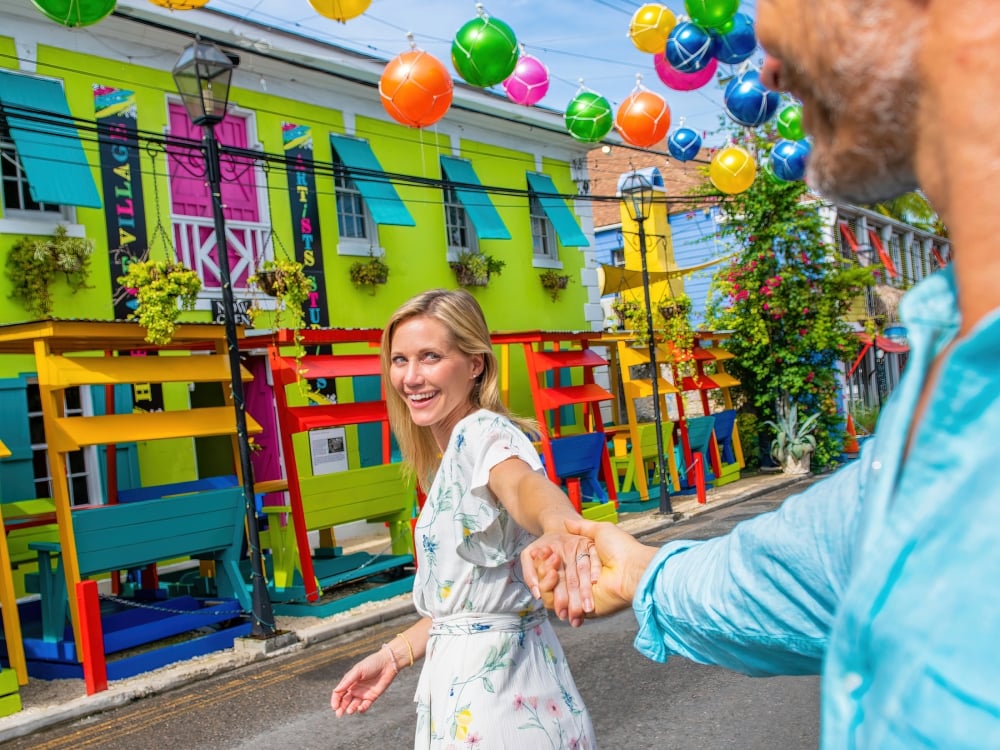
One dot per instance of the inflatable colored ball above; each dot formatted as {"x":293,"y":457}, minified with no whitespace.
{"x":732,"y":170}
{"x":484,"y":51}
{"x":182,"y":4}
{"x":529,"y":82}
{"x":416,"y":88}
{"x":589,"y":117}
{"x":790,"y":123}
{"x":650,"y":26}
{"x":788,"y":159}
{"x":689,"y":48}
{"x":748,"y":101}
{"x":712,"y":14}
{"x":75,"y":13}
{"x":643,"y":119}
{"x":737,"y":44}
{"x":674,"y":79}
{"x":684,"y":144}
{"x":339,"y":10}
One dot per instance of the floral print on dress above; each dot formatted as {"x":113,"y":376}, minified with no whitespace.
{"x":495,"y":676}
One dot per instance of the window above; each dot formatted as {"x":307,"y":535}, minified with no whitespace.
{"x":80,"y":465}
{"x":461,"y":234}
{"x":16,"y":193}
{"x":543,"y":241}
{"x":353,"y":220}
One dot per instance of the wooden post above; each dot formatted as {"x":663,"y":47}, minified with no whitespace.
{"x":95,"y":669}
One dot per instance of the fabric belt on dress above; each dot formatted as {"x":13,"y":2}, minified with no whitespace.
{"x":467,"y":623}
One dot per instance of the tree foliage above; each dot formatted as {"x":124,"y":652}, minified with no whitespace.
{"x":784,"y":296}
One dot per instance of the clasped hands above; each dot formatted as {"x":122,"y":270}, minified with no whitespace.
{"x":557,"y":576}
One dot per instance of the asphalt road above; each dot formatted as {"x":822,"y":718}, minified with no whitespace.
{"x":635,"y":703}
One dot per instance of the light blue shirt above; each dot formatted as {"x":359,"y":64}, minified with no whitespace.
{"x":885,"y":576}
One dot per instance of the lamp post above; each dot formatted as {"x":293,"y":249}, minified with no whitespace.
{"x":202,"y":76}
{"x":637,"y":194}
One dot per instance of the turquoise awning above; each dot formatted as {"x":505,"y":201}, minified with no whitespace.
{"x":475,"y":200}
{"x":364,"y":169}
{"x":48,"y":145}
{"x":555,"y":208}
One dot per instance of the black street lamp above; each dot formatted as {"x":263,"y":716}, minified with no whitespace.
{"x":637,"y":194}
{"x":202,"y":75}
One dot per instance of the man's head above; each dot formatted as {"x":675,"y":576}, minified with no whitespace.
{"x":854,"y":66}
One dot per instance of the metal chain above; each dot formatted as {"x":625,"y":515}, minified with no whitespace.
{"x":140,"y":605}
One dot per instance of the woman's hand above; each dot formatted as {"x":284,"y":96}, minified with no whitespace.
{"x":364,"y":683}
{"x":577,"y":565}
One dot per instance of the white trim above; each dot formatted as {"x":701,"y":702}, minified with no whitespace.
{"x":41,"y":226}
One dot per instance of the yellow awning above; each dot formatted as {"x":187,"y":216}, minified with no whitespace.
{"x":613,"y":279}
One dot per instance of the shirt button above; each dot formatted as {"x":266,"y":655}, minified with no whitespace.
{"x":852,"y":681}
{"x":876,"y":465}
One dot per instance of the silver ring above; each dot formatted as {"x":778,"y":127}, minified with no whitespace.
{"x":582,"y":555}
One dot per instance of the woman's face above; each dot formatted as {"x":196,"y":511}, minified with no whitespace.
{"x":434,"y":378}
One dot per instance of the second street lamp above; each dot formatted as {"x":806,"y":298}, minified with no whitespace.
{"x":202,"y":75}
{"x":637,"y":194}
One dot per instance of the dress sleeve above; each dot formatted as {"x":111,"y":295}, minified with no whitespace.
{"x":488,"y":530}
{"x":761,"y":599}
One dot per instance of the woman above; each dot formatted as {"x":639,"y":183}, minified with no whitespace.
{"x":494,"y":674}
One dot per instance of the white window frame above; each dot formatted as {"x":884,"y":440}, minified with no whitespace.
{"x":20,"y":220}
{"x":345,"y":189}
{"x":456,"y":219}
{"x":544,"y":241}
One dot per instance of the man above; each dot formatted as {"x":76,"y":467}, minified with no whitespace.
{"x":884,"y":576}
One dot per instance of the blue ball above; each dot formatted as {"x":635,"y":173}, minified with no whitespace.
{"x":738,"y":43}
{"x":689,"y":47}
{"x":788,"y":159}
{"x":684,"y":144}
{"x":748,"y":101}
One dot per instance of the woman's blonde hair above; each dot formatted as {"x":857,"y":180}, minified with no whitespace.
{"x":459,"y":312}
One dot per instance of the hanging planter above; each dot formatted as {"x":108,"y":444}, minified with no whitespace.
{"x":286,"y":281}
{"x":162,"y":289}
{"x":553,"y":282}
{"x":370,"y":273}
{"x":475,"y":269}
{"x":33,"y":263}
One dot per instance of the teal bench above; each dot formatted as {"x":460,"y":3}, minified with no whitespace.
{"x":206,"y":525}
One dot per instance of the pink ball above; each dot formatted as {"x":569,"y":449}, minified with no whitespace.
{"x":529,"y":82}
{"x":678,"y":81}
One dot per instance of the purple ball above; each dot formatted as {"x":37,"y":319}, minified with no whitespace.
{"x":689,"y":47}
{"x":529,"y":82}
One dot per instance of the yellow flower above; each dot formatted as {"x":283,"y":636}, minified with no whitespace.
{"x":463,"y":719}
{"x":444,"y":592}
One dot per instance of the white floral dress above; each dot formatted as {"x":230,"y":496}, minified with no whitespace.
{"x":495,"y":677}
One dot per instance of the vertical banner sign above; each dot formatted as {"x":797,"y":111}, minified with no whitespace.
{"x":124,"y":210}
{"x":298,"y":146}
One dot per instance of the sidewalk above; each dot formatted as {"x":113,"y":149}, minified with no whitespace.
{"x":51,"y":702}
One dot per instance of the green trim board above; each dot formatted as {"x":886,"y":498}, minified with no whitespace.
{"x":364,"y":168}
{"x":476,"y":201}
{"x":565,"y":223}
{"x":48,"y":145}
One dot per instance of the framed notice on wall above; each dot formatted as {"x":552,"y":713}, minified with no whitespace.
{"x":328,"y":450}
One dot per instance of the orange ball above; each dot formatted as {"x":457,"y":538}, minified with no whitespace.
{"x":180,"y":4}
{"x":733,"y":170}
{"x":416,"y":88}
{"x":643,"y":119}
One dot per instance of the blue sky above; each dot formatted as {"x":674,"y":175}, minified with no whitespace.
{"x":576,"y":39}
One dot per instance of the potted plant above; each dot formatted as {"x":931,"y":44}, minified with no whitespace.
{"x":794,"y":442}
{"x":673,"y":320}
{"x":285,"y":280}
{"x":627,"y":311}
{"x":553,"y":282}
{"x":158,"y":286}
{"x":475,"y":269}
{"x":34,"y":262}
{"x":369,"y":272}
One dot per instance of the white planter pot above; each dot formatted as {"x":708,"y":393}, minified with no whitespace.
{"x":797,"y":466}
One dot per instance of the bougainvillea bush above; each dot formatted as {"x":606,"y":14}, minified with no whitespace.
{"x":784,"y":295}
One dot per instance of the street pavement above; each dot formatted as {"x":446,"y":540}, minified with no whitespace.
{"x":47,"y":703}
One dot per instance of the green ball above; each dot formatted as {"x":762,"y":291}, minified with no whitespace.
{"x":790,"y":123}
{"x":712,"y":14}
{"x":484,"y":51}
{"x":74,"y":13}
{"x":589,"y":117}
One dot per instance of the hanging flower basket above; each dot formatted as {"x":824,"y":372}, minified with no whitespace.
{"x":554,"y":282}
{"x":475,"y":269}
{"x":466,"y":277}
{"x":162,"y":290}
{"x":267,"y":281}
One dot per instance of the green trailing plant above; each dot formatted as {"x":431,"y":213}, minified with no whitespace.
{"x":34,"y":263}
{"x":784,"y":296}
{"x":475,"y":269}
{"x":553,"y":282}
{"x":672,"y":320}
{"x":162,"y":289}
{"x":793,"y":441}
{"x":370,"y":272}
{"x":286,"y":281}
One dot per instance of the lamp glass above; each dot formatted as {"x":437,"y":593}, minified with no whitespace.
{"x":202,"y":76}
{"x":637,"y":192}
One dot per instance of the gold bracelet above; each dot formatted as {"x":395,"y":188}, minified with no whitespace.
{"x":392,"y":658}
{"x":409,"y":648}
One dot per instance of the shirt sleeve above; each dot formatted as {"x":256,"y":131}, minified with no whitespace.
{"x":761,"y":599}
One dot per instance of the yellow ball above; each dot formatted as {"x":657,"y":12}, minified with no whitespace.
{"x":650,"y":26}
{"x":340,"y":10}
{"x":732,"y":170}
{"x":180,"y":4}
